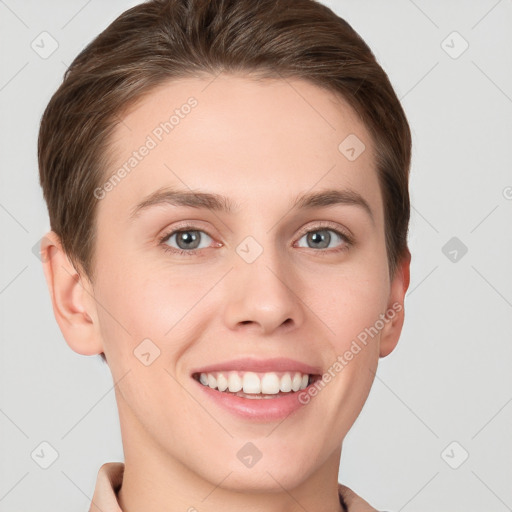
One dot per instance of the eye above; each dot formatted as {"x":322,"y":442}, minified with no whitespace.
{"x":185,"y":240}
{"x":321,"y":237}
{"x":188,"y":240}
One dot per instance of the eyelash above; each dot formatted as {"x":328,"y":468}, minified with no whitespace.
{"x":321,"y":227}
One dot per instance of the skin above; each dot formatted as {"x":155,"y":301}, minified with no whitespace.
{"x":260,"y":143}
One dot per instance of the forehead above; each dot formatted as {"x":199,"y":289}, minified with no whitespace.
{"x":254,"y":140}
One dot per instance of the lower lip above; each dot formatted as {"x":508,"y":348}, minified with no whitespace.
{"x":263,"y":409}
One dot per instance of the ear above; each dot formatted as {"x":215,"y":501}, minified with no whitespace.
{"x":395,"y":311}
{"x":72,"y":298}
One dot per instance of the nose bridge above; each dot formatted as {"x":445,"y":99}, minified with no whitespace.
{"x":261,"y":288}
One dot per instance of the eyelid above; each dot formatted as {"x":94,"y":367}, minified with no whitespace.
{"x":319,"y":225}
{"x":162,"y":240}
{"x":184,"y":226}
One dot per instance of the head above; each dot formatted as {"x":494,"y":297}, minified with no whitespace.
{"x":268,"y":132}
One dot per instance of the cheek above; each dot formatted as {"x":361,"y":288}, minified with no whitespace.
{"x":142,"y":315}
{"x":348,"y":300}
{"x":160,"y":304}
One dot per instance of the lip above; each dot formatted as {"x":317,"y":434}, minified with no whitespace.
{"x":264,"y":409}
{"x":259,"y":409}
{"x":277,"y":364}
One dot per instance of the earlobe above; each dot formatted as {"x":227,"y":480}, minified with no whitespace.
{"x":395,"y":312}
{"x":72,"y":298}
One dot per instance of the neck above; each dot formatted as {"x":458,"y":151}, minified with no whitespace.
{"x":154,"y":480}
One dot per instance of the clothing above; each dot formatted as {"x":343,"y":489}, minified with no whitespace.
{"x":110,"y":478}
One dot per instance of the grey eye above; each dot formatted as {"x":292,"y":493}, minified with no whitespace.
{"x":188,"y":239}
{"x":320,"y":238}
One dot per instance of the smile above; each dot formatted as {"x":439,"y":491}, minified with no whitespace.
{"x":254,"y":385}
{"x":257,"y":396}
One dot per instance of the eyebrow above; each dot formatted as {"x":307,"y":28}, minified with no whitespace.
{"x":219,"y":203}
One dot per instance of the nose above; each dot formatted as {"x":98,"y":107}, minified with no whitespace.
{"x":263,"y":296}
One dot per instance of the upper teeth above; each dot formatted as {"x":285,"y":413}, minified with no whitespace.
{"x":254,"y":383}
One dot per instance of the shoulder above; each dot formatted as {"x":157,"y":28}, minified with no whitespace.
{"x":354,"y":502}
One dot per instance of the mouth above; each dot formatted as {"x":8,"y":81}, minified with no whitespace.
{"x":256,"y":385}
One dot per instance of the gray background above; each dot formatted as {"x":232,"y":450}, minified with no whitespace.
{"x":448,"y":381}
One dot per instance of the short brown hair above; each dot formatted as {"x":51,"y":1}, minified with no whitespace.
{"x":161,"y":40}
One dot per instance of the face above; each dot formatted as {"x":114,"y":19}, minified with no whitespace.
{"x":271,"y":276}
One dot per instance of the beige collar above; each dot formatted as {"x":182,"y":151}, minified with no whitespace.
{"x":110,"y":477}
